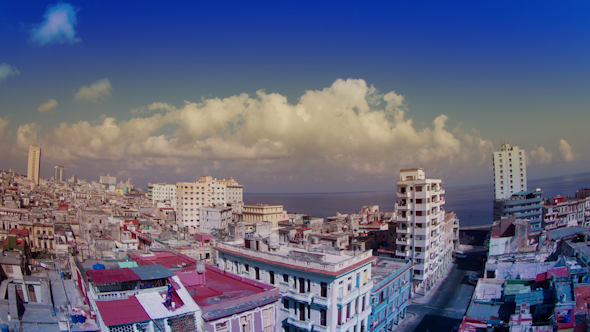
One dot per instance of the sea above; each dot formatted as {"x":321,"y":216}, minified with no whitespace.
{"x":472,"y":204}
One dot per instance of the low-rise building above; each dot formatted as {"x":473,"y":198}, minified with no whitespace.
{"x":323,"y":289}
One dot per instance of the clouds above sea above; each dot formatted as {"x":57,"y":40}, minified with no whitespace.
{"x":348,"y":131}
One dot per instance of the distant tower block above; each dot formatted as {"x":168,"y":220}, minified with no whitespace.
{"x":34,"y":164}
{"x":509,"y":171}
{"x":59,"y":173}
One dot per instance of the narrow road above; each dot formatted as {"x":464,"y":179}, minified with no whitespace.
{"x":446,"y":307}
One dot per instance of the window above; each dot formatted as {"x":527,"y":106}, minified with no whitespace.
{"x":323,"y":317}
{"x":286,"y":303}
{"x":272,"y":277}
{"x":246,"y":268}
{"x":324,"y":289}
{"x":257,"y":273}
{"x":285,"y":278}
{"x":418,"y":188}
{"x":221,"y":326}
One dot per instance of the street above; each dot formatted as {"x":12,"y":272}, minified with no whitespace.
{"x":444,"y":307}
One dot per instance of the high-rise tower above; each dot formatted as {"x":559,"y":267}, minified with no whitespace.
{"x":34,"y":163}
{"x":509,"y":171}
{"x":424,"y":235}
{"x":59,"y":173}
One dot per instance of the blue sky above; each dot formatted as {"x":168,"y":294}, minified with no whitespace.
{"x":294,"y":96}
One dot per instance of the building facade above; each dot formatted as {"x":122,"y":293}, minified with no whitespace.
{"x":392,"y":281}
{"x":59,"y":173}
{"x":214,"y":218}
{"x":34,"y":164}
{"x":522,"y":205}
{"x":264,"y":212}
{"x":322,"y":291}
{"x":509,"y":171}
{"x":191,"y":196}
{"x":161,"y":192}
{"x":424,"y":235}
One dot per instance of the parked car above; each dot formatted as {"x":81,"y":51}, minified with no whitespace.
{"x":473,"y":279}
{"x":460,"y":254}
{"x":482,"y":258}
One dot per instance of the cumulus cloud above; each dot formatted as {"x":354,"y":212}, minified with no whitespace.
{"x":47,"y":106}
{"x":95,"y":92}
{"x":540,"y":156}
{"x":348,"y":130}
{"x":58,"y":26}
{"x":7,"y":70}
{"x":566,"y":151}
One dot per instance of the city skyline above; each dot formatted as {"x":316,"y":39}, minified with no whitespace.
{"x":293,"y":97}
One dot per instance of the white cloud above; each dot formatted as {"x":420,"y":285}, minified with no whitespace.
{"x":47,"y":106}
{"x":26,"y":135}
{"x":566,"y":151}
{"x":347,"y":131}
{"x":95,"y":92}
{"x":540,"y":156}
{"x":7,"y":70}
{"x":58,"y":26}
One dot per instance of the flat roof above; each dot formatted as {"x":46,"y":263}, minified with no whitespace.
{"x":110,"y":276}
{"x":120,"y":312}
{"x":152,"y":272}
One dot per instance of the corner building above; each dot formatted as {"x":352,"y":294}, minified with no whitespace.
{"x":424,"y":236}
{"x":323,"y":290}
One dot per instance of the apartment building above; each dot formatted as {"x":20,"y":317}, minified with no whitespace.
{"x":34,"y":164}
{"x":191,"y":196}
{"x":323,"y":289}
{"x":424,"y":235}
{"x":391,"y":293}
{"x":509,"y":171}
{"x":59,"y":173}
{"x":214,"y":218}
{"x":522,"y":205}
{"x":162,"y":192}
{"x":234,"y":194}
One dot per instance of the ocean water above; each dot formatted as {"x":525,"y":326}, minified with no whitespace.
{"x":472,"y":204}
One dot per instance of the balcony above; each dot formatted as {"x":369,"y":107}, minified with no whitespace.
{"x":348,"y":297}
{"x":366,"y":288}
{"x":301,"y":297}
{"x":405,"y":230}
{"x":348,"y":324}
{"x":403,"y":241}
{"x":320,"y":328}
{"x":321,"y":301}
{"x":304,"y":325}
{"x":125,"y":294}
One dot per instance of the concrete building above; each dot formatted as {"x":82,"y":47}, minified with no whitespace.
{"x":191,"y":196}
{"x":108,"y":180}
{"x":509,"y":171}
{"x":34,"y":164}
{"x":59,"y":173}
{"x":392,"y":280}
{"x":323,"y":289}
{"x":162,"y":192}
{"x":228,"y":301}
{"x":424,"y":235}
{"x":129,"y":299}
{"x":522,"y":205}
{"x":214,"y":218}
{"x":234,"y":194}
{"x":264,"y":212}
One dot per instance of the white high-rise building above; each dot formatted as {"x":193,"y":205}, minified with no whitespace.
{"x":191,"y":196}
{"x":34,"y":164}
{"x":423,"y":234}
{"x":509,"y":171}
{"x":162,"y":192}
